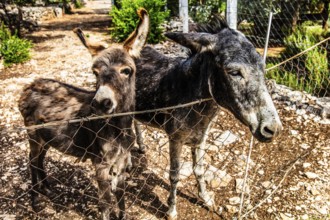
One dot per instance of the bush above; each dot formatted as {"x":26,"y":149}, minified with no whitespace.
{"x":310,"y":71}
{"x":13,"y":49}
{"x":125,"y":19}
{"x":201,"y":12}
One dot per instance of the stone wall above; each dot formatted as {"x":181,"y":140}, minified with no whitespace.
{"x":38,"y":14}
{"x":31,"y":14}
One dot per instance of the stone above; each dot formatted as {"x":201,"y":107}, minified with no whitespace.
{"x":294,"y":132}
{"x":306,"y":165}
{"x":304,"y":146}
{"x":304,"y":217}
{"x":322,"y":210}
{"x":314,"y":192}
{"x":266,"y":184}
{"x":261,"y":172}
{"x":286,"y":216}
{"x":234,"y":200}
{"x":270,"y":210}
{"x":226,"y":138}
{"x":216,"y":177}
{"x":311,"y":175}
{"x":325,"y":113}
{"x":231,"y":209}
{"x":185,"y":171}
{"x":239,"y":186}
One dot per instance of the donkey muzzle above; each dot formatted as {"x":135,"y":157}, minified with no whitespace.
{"x":105,"y":106}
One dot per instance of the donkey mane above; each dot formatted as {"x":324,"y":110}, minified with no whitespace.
{"x":216,"y":25}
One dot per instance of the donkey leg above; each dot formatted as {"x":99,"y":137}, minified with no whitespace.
{"x":42,"y":174}
{"x":139,"y":137}
{"x":198,"y":153}
{"x":35,"y":152}
{"x":120,"y":191}
{"x":175,"y":152}
{"x":104,"y":191}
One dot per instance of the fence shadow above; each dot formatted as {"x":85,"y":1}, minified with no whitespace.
{"x":75,"y":191}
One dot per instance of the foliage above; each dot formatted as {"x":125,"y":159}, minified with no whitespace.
{"x":21,"y":2}
{"x":308,"y":72}
{"x":13,"y":49}
{"x":200,"y":11}
{"x":124,"y":20}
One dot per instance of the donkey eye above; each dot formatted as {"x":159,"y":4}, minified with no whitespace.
{"x":235,"y":73}
{"x":126,"y":71}
{"x":96,"y":71}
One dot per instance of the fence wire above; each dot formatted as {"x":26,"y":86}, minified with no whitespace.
{"x":296,"y":27}
{"x":278,"y":183}
{"x":74,"y":188}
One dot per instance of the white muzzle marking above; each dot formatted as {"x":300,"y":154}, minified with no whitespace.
{"x":105,"y":92}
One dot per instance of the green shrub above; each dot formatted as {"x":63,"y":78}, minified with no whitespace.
{"x":201,"y":12}
{"x":13,"y":49}
{"x":124,"y":20}
{"x":310,"y":71}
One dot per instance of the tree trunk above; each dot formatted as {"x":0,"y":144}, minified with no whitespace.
{"x":173,"y":6}
{"x":295,"y":15}
{"x":325,"y":15}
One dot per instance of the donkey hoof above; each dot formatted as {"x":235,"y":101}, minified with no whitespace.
{"x":47,"y":192}
{"x":208,"y":199}
{"x":171,"y":214}
{"x":38,"y":205}
{"x":142,"y":149}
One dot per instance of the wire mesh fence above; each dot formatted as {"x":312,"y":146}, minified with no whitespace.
{"x":296,"y":27}
{"x":280,"y":181}
{"x":73,"y":185}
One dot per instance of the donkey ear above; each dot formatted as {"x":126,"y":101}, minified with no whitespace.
{"x":196,"y":42}
{"x":135,"y":42}
{"x":93,"y":47}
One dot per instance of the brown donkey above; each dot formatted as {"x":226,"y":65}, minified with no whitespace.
{"x":106,"y":142}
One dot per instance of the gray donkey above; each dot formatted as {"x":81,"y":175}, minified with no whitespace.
{"x":106,"y":142}
{"x":224,"y":66}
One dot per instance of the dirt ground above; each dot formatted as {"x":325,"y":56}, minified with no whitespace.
{"x":288,"y":178}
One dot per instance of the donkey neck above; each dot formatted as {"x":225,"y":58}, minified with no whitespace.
{"x":163,"y":81}
{"x":116,"y":128}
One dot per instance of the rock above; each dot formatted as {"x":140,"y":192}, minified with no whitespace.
{"x":322,"y":210}
{"x":234,"y":200}
{"x":286,"y":216}
{"x":216,"y":177}
{"x":325,"y":113}
{"x":231,"y":209}
{"x":266,"y":184}
{"x":226,"y":138}
{"x":314,"y":192}
{"x":306,"y":165}
{"x":225,"y":180}
{"x":270,"y":210}
{"x":185,"y":171}
{"x":311,"y":175}
{"x":239,"y":186}
{"x":304,"y":217}
{"x":294,"y":132}
{"x":215,"y":183}
{"x":304,"y":146}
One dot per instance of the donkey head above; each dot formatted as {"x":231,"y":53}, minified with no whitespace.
{"x":235,"y":73}
{"x":115,"y":69}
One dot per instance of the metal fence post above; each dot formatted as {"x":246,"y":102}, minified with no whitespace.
{"x":231,"y":13}
{"x":267,"y":36}
{"x":183,"y":6}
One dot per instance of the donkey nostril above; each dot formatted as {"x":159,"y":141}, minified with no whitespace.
{"x":94,"y":103}
{"x":269,"y":131}
{"x":107,"y":103}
